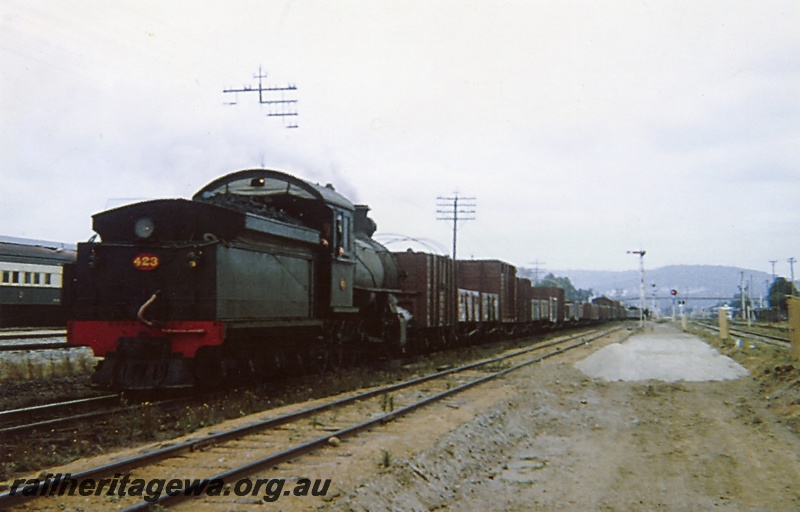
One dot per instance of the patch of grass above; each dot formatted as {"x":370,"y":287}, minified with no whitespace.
{"x":387,"y":402}
{"x":315,"y":421}
{"x":334,"y":415}
{"x":386,"y":459}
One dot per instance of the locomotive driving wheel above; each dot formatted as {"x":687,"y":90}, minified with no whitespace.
{"x":341,"y":337}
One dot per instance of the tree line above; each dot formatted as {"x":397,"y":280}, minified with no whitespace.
{"x":779,"y":292}
{"x":571,"y":293}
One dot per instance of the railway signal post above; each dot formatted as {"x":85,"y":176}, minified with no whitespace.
{"x":641,"y":253}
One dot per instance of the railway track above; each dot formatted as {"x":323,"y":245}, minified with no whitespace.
{"x":777,"y":341}
{"x":57,"y":414}
{"x":17,"y":333}
{"x":26,"y":345}
{"x":289,"y":436}
{"x":32,"y":339}
{"x":16,"y":424}
{"x":26,"y":424}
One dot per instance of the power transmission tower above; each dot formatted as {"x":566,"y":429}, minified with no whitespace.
{"x":536,"y":270}
{"x":283,"y":108}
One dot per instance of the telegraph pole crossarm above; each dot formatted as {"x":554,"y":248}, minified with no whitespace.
{"x":261,"y":89}
{"x":463,"y":208}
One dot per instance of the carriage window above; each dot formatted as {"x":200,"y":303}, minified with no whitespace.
{"x":15,"y":276}
{"x":27,"y":278}
{"x":47,"y":279}
{"x":6,"y":276}
{"x":37,"y":278}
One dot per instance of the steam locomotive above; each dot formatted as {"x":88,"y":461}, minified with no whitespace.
{"x":262,"y":274}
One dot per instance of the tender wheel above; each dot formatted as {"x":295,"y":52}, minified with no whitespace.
{"x":209,"y":369}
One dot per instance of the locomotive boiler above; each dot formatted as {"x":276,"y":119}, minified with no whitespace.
{"x":259,"y":274}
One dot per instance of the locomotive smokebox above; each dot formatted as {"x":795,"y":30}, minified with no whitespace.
{"x":376,"y":269}
{"x":363,"y":224}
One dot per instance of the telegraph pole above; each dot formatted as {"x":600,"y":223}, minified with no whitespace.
{"x":288,"y":107}
{"x":641,"y":253}
{"x":773,"y":262}
{"x":791,"y":269}
{"x":741,"y":290}
{"x":455,"y":208}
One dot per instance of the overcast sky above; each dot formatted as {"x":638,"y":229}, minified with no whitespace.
{"x":584,"y":129}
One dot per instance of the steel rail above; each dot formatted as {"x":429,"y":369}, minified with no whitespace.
{"x":28,"y":412}
{"x":7,"y":499}
{"x":762,"y":335}
{"x":739,"y":326}
{"x":19,"y":333}
{"x":24,"y":347}
{"x":775,"y":341}
{"x":66,"y":420}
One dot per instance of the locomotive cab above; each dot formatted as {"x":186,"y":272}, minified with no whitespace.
{"x":321,"y":208}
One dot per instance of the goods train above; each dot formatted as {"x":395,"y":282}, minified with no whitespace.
{"x":263,"y":274}
{"x":30,"y":282}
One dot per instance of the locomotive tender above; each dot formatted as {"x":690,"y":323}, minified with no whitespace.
{"x":263,"y":274}
{"x":260,"y":273}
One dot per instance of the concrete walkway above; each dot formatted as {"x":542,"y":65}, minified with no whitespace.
{"x":665,"y":354}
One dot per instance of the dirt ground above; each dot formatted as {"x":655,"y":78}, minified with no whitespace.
{"x":549,"y":437}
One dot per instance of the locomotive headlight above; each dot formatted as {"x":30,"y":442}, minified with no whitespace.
{"x":144,"y":227}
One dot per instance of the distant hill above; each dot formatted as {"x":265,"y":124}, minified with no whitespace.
{"x":701,"y":286}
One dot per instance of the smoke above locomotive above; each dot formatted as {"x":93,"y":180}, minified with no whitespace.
{"x":259,"y":274}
